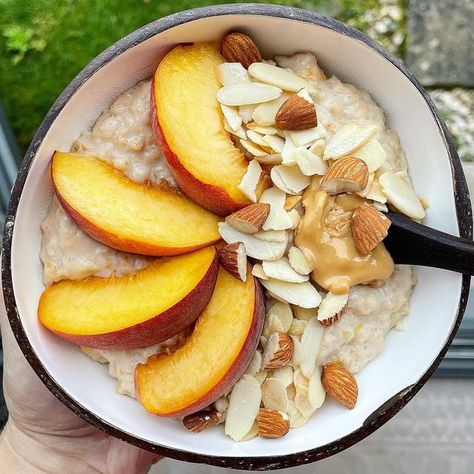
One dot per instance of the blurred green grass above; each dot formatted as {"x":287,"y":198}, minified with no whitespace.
{"x":45,"y":43}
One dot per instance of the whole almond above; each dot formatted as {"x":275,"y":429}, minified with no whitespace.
{"x":240,"y":48}
{"x":249,"y":219}
{"x":233,"y":258}
{"x":340,"y":384}
{"x":272,"y":423}
{"x":278,"y":351}
{"x":201,"y":420}
{"x":296,"y":114}
{"x":346,"y":175}
{"x":369,"y":227}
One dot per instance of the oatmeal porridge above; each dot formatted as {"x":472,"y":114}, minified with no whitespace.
{"x":364,"y":295}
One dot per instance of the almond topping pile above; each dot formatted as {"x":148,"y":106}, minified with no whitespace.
{"x":273,"y":117}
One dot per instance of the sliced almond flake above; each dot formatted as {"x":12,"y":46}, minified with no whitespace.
{"x":245,"y":94}
{"x":332,"y":308}
{"x":376,"y":193}
{"x":295,"y":218}
{"x":286,"y":152}
{"x":316,"y":392}
{"x":292,"y":177}
{"x":263,"y":130}
{"x":261,"y":376}
{"x":222,"y":404}
{"x":302,"y":402}
{"x":304,"y":94}
{"x":372,"y":153}
{"x":232,"y":117}
{"x":324,"y":116}
{"x":298,"y":420}
{"x":255,"y":364}
{"x":302,"y":294}
{"x":269,"y":160}
{"x":246,"y":112}
{"x":275,"y":142}
{"x":276,"y":76}
{"x":238,"y":133}
{"x":282,"y":311}
{"x":255,"y":247}
{"x":291,"y":391}
{"x":380,"y":207}
{"x":255,"y":150}
{"x":285,"y":374}
{"x":248,"y":185}
{"x":367,"y":189}
{"x":311,"y":341}
{"x":244,"y":403}
{"x":272,"y":324}
{"x":401,"y":194}
{"x":299,"y":262}
{"x":282,"y":270}
{"x":256,"y":138}
{"x":297,"y":328}
{"x":309,"y":163}
{"x":402,"y":174}
{"x":278,"y":182}
{"x":305,"y":137}
{"x":347,"y":139}
{"x":229,"y":74}
{"x":274,"y":396}
{"x":278,"y":236}
{"x":318,"y":147}
{"x":264,"y":114}
{"x":293,"y":202}
{"x":278,"y":218}
{"x":298,"y":351}
{"x":257,"y":271}
{"x":303,"y":313}
{"x":425,"y":202}
{"x":253,"y":433}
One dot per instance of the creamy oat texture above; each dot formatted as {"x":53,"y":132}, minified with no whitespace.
{"x":122,"y":363}
{"x":371,"y":312}
{"x":123,"y":136}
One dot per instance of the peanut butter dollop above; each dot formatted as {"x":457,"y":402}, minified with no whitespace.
{"x":324,"y":236}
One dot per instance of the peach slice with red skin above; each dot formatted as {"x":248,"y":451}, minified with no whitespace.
{"x":127,"y":216}
{"x":137,"y":310}
{"x":212,"y":359}
{"x":189,"y":126}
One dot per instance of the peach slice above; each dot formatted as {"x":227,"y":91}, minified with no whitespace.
{"x":128,"y":216}
{"x":138,"y":310}
{"x":189,"y":126}
{"x":213,"y":358}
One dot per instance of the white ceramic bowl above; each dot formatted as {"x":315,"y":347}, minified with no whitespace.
{"x":409,"y":357}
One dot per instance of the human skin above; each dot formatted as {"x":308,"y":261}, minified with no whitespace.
{"x":42,"y":435}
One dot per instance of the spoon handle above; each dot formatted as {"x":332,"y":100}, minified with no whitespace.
{"x":416,"y":244}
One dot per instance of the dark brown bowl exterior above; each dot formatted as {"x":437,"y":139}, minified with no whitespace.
{"x":379,"y":416}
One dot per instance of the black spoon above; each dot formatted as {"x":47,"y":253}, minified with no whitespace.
{"x":416,"y":244}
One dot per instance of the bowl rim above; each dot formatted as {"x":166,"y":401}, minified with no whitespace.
{"x":382,"y":414}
